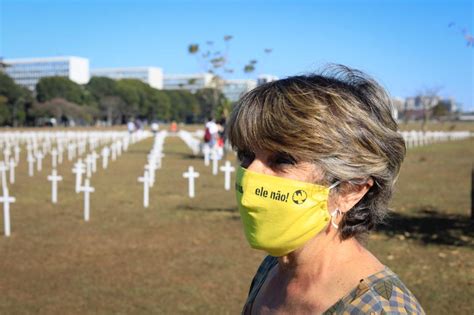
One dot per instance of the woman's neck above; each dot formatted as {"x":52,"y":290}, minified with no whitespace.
{"x":324,"y":255}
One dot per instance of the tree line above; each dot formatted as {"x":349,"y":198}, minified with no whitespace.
{"x":105,"y":100}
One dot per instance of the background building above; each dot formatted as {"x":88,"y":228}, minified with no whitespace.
{"x":233,"y":89}
{"x":189,"y":82}
{"x":421,"y":102}
{"x":28,"y":71}
{"x":150,"y":75}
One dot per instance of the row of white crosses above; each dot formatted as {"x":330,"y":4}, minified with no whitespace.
{"x":39,"y":144}
{"x":90,"y":167}
{"x":153,"y":163}
{"x":190,"y":140}
{"x":419,"y":138}
{"x":210,"y":154}
{"x":191,"y":175}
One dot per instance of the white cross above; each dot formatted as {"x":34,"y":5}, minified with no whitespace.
{"x":191,"y":175}
{"x":17,"y":154}
{"x":227,"y":169}
{"x":39,"y":161}
{"x":3,"y":170}
{"x":6,"y":154}
{"x":46,"y":146}
{"x":215,"y":162}
{"x":150,"y":168}
{"x":94,"y":156}
{"x":159,"y":156}
{"x":12,"y":170}
{"x":119,"y":148}
{"x":54,"y":178}
{"x":54,"y":157}
{"x":82,"y":147}
{"x":146,"y":180}
{"x":114,"y":151}
{"x":60,"y":154}
{"x":6,"y":200}
{"x":105,"y":157}
{"x":206,"y":151}
{"x":79,"y":169}
{"x":87,"y":190}
{"x":29,"y":148}
{"x":71,"y":149}
{"x":89,"y":163}
{"x":31,"y":162}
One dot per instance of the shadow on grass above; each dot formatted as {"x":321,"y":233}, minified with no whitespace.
{"x":430,"y":226}
{"x":182,"y":155}
{"x":231,"y":210}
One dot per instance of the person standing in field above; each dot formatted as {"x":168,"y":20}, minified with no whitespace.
{"x":319,"y":155}
{"x":211,"y":133}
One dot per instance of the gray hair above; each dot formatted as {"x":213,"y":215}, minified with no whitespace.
{"x":340,"y":119}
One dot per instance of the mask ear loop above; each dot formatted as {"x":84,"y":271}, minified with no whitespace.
{"x":336,"y":212}
{"x":334,"y":215}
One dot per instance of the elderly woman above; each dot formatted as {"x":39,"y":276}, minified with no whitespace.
{"x":319,"y":157}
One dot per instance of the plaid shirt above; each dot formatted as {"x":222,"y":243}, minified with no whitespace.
{"x":380,"y":293}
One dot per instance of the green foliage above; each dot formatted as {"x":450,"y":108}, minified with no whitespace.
{"x":212,"y":102}
{"x":249,"y":68}
{"x":193,"y":48}
{"x":101,"y":86}
{"x":52,"y":87}
{"x":107,"y":100}
{"x":440,"y":110}
{"x":64,"y":111}
{"x":4,"y":111}
{"x":14,"y":102}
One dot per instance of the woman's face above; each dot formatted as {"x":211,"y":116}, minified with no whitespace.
{"x":282,"y":165}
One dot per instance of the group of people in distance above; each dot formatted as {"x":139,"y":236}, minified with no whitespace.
{"x":214,"y":135}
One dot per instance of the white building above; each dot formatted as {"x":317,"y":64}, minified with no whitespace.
{"x":233,"y":89}
{"x":421,"y":102}
{"x":189,"y":82}
{"x":28,"y":71}
{"x":150,"y":75}
{"x":265,"y":78}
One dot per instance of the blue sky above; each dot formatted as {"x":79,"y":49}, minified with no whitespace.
{"x":405,"y":44}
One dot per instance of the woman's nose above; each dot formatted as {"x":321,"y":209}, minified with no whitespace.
{"x":259,"y":165}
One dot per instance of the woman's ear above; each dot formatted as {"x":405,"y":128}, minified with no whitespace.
{"x":350,"y":194}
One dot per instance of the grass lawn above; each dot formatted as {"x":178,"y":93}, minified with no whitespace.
{"x":183,"y":256}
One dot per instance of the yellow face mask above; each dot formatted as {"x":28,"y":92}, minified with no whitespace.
{"x":279,"y":214}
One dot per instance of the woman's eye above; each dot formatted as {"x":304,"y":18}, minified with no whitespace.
{"x":284,"y":159}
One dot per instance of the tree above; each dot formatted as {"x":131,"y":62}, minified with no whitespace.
{"x":101,"y":86}
{"x":104,"y":93}
{"x":428,"y":99}
{"x":63,"y":111}
{"x":210,"y":105}
{"x":4,"y":111}
{"x":160,"y":106}
{"x":131,"y":92}
{"x":15,"y":102}
{"x":217,"y":62}
{"x":442,"y":110}
{"x":110,"y":109}
{"x":52,"y":87}
{"x":3,"y":65}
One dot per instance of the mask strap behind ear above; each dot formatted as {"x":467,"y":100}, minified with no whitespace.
{"x":334,"y":185}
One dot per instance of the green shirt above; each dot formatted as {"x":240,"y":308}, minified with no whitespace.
{"x":380,"y":293}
